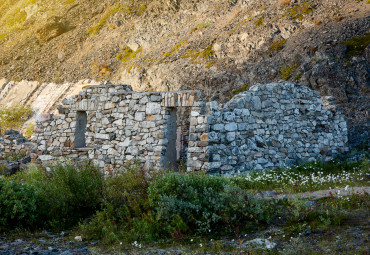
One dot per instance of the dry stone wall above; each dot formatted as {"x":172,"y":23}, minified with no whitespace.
{"x":111,"y":125}
{"x":269,"y":126}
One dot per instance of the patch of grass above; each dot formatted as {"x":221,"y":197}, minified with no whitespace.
{"x":14,"y":117}
{"x":207,"y":52}
{"x":201,"y":26}
{"x":356,"y":45}
{"x":174,"y":48}
{"x":276,"y":46}
{"x":308,"y":177}
{"x":2,"y":36}
{"x":69,"y":2}
{"x":298,"y":11}
{"x":210,"y":64}
{"x":94,"y":30}
{"x":239,"y":90}
{"x":259,"y":22}
{"x":128,"y":54}
{"x":130,"y":68}
{"x":14,"y":156}
{"x":286,"y":71}
{"x":16,"y":20}
{"x":30,"y":130}
{"x":142,"y":8}
{"x":193,"y":54}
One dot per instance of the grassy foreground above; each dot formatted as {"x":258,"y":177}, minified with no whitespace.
{"x":133,"y":210}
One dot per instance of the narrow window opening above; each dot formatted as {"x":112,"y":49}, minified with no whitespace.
{"x":80,"y":140}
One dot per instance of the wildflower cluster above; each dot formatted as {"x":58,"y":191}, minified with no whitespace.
{"x":305,"y":178}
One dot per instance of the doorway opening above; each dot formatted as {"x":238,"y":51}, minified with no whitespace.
{"x":170,"y":157}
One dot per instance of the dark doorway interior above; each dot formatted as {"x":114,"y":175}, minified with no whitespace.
{"x":170,"y":157}
{"x":80,"y":140}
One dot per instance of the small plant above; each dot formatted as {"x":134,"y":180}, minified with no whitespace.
{"x":192,"y":54}
{"x":201,"y":26}
{"x":298,"y":11}
{"x":286,"y":71}
{"x":174,"y":48}
{"x":14,"y":156}
{"x":239,"y":90}
{"x":14,"y":117}
{"x":94,"y":30}
{"x":259,"y":22}
{"x":356,"y":45}
{"x":29,"y":130}
{"x":277,"y":45}
{"x":210,"y":64}
{"x":128,"y":54}
{"x":2,"y":36}
{"x":142,"y":8}
{"x":207,"y":52}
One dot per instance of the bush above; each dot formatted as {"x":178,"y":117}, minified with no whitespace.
{"x":126,"y":213}
{"x":70,"y":191}
{"x":14,"y":117}
{"x":200,"y":203}
{"x":19,"y":205}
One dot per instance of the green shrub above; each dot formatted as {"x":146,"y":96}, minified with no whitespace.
{"x":71,"y":191}
{"x":276,"y":46}
{"x":286,"y":71}
{"x":126,"y":213}
{"x":202,"y":204}
{"x":207,"y":52}
{"x":19,"y":205}
{"x":14,"y":117}
{"x":356,"y":45}
{"x":128,"y":54}
{"x":298,"y":11}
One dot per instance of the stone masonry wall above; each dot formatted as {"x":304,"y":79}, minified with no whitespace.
{"x":121,"y":126}
{"x":269,"y":126}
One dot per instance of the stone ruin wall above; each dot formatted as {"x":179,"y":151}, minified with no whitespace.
{"x":118,"y":125}
{"x":269,"y":126}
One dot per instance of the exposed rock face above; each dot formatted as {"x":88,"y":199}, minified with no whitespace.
{"x":269,"y":126}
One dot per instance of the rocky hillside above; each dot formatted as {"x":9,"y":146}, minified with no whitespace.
{"x":219,"y":46}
